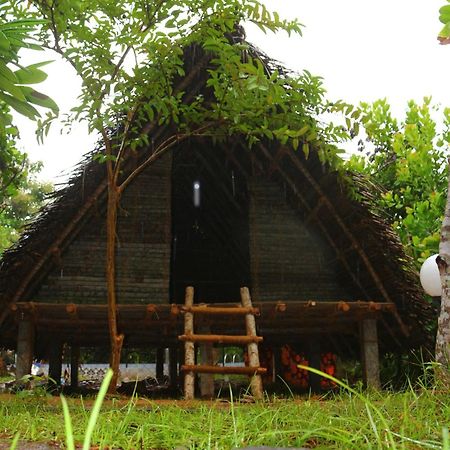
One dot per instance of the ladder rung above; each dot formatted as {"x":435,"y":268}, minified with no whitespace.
{"x":218,"y":310}
{"x":216,"y":338}
{"x":239,"y":370}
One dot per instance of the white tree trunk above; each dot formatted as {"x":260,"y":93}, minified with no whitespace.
{"x":443,"y":261}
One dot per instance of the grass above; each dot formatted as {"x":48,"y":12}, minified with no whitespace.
{"x":344,"y":420}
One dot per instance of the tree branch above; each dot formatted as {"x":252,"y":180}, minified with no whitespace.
{"x":161,"y":149}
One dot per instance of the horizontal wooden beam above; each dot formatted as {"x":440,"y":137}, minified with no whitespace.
{"x":217,"y":310}
{"x":72,"y":307}
{"x":237,"y":370}
{"x":273,"y":314}
{"x":220,"y":339}
{"x":161,"y":307}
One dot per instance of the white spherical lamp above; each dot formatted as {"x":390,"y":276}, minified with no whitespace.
{"x":430,"y":278}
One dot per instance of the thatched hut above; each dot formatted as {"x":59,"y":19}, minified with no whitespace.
{"x":324,"y":268}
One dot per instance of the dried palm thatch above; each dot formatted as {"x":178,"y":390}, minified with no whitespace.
{"x":343,"y":212}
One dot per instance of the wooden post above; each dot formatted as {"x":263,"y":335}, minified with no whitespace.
{"x":189,"y":348}
{"x":173,"y":366}
{"x":25,"y":346}
{"x":74,"y":363}
{"x":54,"y":364}
{"x":314,"y":362}
{"x":159,"y":364}
{"x":207,"y":358}
{"x":369,"y":353}
{"x":277,"y":367}
{"x":252,"y":348}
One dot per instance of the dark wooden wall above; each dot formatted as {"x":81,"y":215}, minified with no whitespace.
{"x":143,"y":255}
{"x":288,"y":260}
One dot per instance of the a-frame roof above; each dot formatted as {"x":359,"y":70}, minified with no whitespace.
{"x":344,"y":213}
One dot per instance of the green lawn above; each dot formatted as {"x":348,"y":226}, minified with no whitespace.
{"x":407,"y":420}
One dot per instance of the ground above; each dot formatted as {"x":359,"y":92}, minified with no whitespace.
{"x":408,"y":420}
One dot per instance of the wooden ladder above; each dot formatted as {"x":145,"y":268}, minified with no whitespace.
{"x":250,"y":339}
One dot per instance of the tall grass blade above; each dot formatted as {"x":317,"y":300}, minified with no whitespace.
{"x":445,"y":439}
{"x":96,"y":409}
{"x":373,"y":424}
{"x":358,"y":395}
{"x":287,"y":386}
{"x":67,"y":425}
{"x":233,"y":417}
{"x":15,"y":442}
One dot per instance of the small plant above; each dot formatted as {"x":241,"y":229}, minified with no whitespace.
{"x":30,"y":386}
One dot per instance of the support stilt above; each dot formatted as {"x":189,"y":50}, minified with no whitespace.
{"x":74,"y":364}
{"x":207,"y":358}
{"x":369,"y":353}
{"x":160,"y":352}
{"x":25,"y":347}
{"x":54,"y":364}
{"x":174,"y":355}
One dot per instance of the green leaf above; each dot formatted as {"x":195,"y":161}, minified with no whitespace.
{"x":305,"y":149}
{"x":444,"y":14}
{"x":445,"y":32}
{"x":7,"y":86}
{"x":303,"y":130}
{"x":4,"y":42}
{"x":21,"y":107}
{"x":37,"y":98}
{"x":7,"y":73}
{"x":31,"y":74}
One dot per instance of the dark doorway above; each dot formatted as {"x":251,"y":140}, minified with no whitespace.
{"x":210,"y":245}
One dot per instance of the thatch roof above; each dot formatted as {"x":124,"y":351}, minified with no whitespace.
{"x":346,"y":217}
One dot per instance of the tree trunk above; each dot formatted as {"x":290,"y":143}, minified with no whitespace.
{"x":116,"y":339}
{"x":443,"y":331}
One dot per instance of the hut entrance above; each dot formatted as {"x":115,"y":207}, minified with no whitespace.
{"x":210,"y":244}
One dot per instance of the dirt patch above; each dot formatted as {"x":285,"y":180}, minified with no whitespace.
{"x":26,"y":445}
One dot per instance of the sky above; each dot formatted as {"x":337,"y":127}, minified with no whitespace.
{"x":364,"y":50}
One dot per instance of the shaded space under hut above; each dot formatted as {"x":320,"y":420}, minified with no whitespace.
{"x":327,"y":276}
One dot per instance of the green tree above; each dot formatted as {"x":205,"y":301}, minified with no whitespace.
{"x":444,"y":17}
{"x":407,"y":158}
{"x":16,"y":92}
{"x":19,"y":206}
{"x":15,"y":79}
{"x":129,"y":56}
{"x":443,"y":331}
{"x":21,"y":195}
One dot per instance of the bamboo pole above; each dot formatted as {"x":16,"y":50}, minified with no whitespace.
{"x":220,"y":338}
{"x":240,"y":370}
{"x":189,"y":348}
{"x":222,"y":311}
{"x":252,"y":348}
